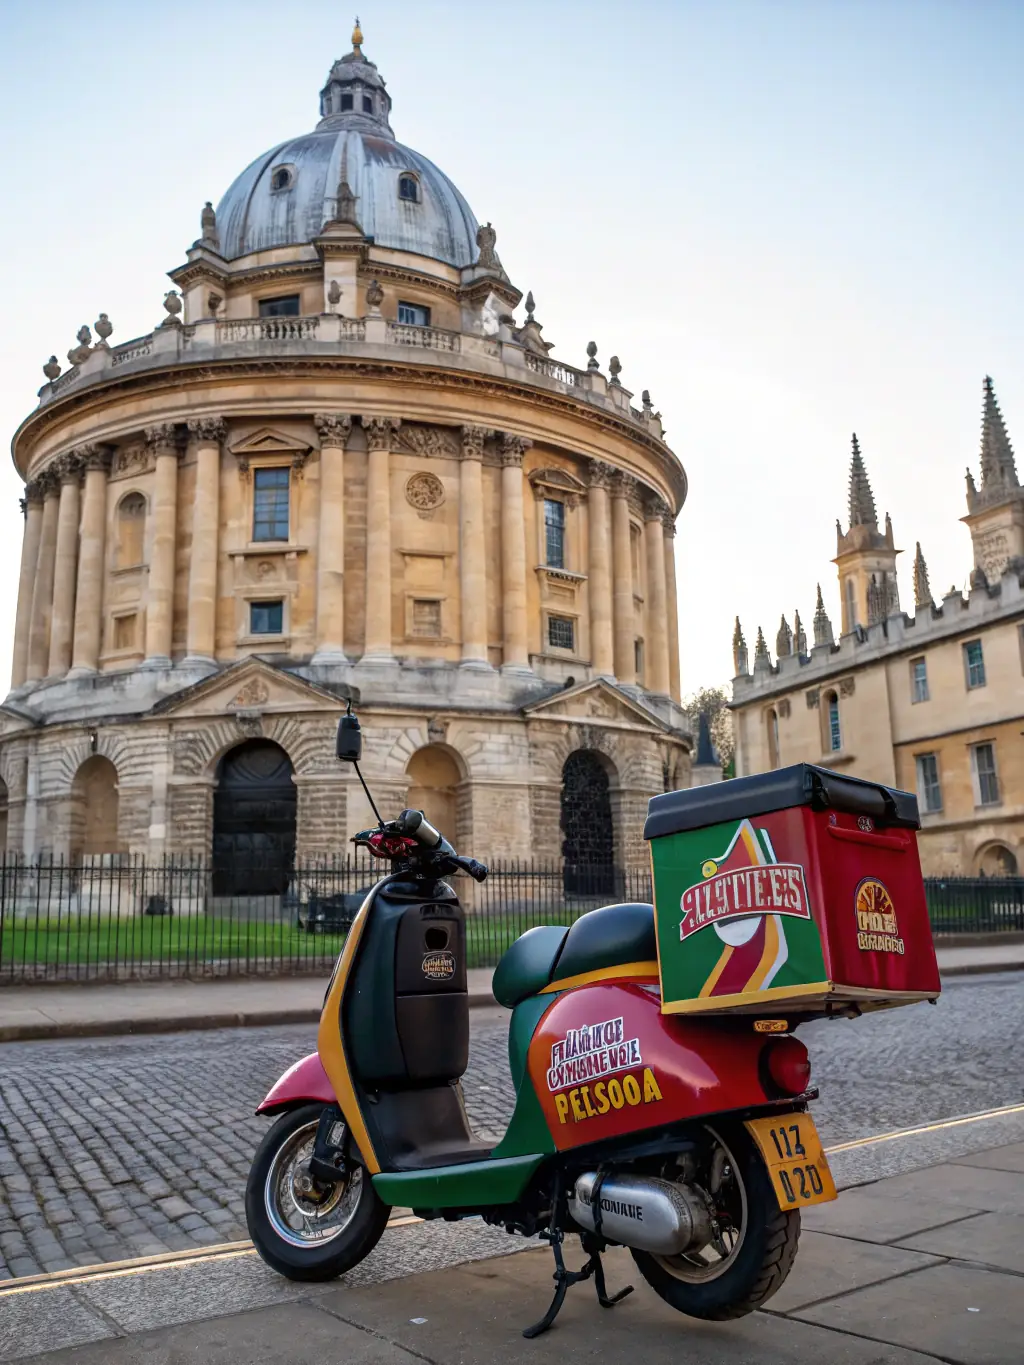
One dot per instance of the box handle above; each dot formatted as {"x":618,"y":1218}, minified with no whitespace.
{"x":859,"y":836}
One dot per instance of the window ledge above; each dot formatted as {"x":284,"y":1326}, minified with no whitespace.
{"x":247,"y":640}
{"x":126,"y":569}
{"x":268,"y":547}
{"x":566,"y":575}
{"x":989,"y":805}
{"x":837,"y":758}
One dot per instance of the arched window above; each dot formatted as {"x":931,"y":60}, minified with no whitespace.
{"x":367,"y":104}
{"x":131,"y":530}
{"x":94,"y":808}
{"x":281,"y":178}
{"x":409,"y":189}
{"x":851,"y":604}
{"x":834,"y":733}
{"x":773,"y":737}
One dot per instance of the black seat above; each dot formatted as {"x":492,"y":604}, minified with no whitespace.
{"x":526,"y":966}
{"x":613,"y":936}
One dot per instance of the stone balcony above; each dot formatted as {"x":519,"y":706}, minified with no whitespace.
{"x":372,"y":336}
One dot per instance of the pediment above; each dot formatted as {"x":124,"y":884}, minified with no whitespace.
{"x":250,"y":687}
{"x":595,"y":703}
{"x":269,"y":441}
{"x":559,"y":479}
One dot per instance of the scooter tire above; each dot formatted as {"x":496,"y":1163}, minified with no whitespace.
{"x":329,"y":1259}
{"x":763,"y":1260}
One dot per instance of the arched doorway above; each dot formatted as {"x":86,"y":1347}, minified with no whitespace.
{"x":588,"y":843}
{"x":254,"y":810}
{"x":997,"y":861}
{"x":434,"y":779}
{"x":94,"y":808}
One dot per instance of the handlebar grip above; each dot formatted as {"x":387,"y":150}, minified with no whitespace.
{"x":478,"y":871}
{"x":418,"y":827}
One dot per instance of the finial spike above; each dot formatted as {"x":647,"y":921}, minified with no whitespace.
{"x":357,"y":36}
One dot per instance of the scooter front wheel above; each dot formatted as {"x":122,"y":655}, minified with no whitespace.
{"x":305,"y":1228}
{"x":756,"y":1241}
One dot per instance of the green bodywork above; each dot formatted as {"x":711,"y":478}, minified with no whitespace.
{"x":504,"y":1176}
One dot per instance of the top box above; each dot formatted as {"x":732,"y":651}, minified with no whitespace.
{"x":796,"y":891}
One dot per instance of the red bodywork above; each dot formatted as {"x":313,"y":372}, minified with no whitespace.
{"x":605,"y":1062}
{"x":304,"y":1083}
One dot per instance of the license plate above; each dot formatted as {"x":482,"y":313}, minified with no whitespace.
{"x":796,"y":1163}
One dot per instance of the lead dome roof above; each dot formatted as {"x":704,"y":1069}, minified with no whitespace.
{"x":355,"y":144}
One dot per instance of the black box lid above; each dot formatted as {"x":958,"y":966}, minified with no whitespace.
{"x":801,"y":785}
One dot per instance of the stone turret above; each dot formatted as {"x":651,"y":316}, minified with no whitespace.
{"x":865,"y":557}
{"x":995,"y":510}
{"x":822,"y":625}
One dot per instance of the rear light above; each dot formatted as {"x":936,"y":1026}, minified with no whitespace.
{"x":788,"y":1065}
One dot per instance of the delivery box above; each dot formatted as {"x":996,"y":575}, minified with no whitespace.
{"x":794,"y":891}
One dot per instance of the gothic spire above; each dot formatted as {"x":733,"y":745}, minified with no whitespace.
{"x":997,"y":464}
{"x":783,"y":640}
{"x":862,"y":502}
{"x":739,"y":650}
{"x":761,"y":658}
{"x":799,"y":636}
{"x":822,"y":625}
{"x":922,"y":589}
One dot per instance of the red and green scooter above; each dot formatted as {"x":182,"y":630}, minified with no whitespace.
{"x":686,"y":1140}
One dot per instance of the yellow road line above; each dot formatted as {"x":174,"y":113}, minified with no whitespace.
{"x":232,"y":1251}
{"x":926,"y":1128}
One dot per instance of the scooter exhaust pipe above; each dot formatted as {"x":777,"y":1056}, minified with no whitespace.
{"x":643,"y":1212}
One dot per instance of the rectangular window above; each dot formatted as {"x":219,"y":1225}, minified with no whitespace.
{"x":928,"y":788}
{"x":287,"y":306}
{"x":986,"y":779}
{"x":367,"y":104}
{"x":270,"y":504}
{"x":918,"y":680}
{"x":346,"y":102}
{"x":835,"y":729}
{"x":266,"y":618}
{"x":974,"y":664}
{"x":561,"y":632}
{"x":426,"y":618}
{"x":413,"y":314}
{"x":554,"y":533}
{"x":124,"y":631}
{"x":638,"y":659}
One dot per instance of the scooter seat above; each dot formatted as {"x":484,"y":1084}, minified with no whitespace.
{"x":526,"y":966}
{"x":612,"y":936}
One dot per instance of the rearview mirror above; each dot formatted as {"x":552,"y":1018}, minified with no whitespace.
{"x":350,"y":739}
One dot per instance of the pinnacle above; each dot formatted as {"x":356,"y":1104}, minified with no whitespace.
{"x":922,"y":588}
{"x":737,"y":634}
{"x":862,"y":502}
{"x":997,"y":463}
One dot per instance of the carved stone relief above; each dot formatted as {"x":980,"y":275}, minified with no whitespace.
{"x":425,"y":492}
{"x":440,"y":442}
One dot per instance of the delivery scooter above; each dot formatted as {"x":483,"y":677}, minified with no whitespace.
{"x":685,"y":1139}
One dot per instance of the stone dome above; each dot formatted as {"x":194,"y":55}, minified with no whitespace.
{"x":287,"y":195}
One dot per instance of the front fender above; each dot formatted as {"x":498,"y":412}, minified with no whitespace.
{"x":304,"y":1083}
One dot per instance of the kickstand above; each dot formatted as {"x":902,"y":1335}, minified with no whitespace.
{"x":564,"y":1278}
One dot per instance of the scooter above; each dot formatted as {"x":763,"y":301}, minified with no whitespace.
{"x":686,"y":1140}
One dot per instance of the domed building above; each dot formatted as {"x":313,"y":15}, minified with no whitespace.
{"x":339,"y":470}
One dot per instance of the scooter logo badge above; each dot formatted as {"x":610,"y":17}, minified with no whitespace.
{"x":439,"y":966}
{"x":877,"y":931}
{"x":745,"y":897}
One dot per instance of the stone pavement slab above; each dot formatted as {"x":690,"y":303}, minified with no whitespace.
{"x":1008,"y":1158}
{"x":869,"y":1214}
{"x":954,"y":1312}
{"x":826,"y":1266}
{"x":969,"y":1187}
{"x":991,"y":1239}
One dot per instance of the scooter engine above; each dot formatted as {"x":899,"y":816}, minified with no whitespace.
{"x":644,"y":1212}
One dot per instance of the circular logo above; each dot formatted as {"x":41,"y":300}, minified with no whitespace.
{"x":424,"y":492}
{"x":873,"y":898}
{"x":709,"y":868}
{"x":439,"y":966}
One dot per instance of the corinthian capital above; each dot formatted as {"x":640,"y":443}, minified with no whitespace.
{"x":208,"y":430}
{"x":668,"y":520}
{"x":162,"y":439}
{"x":623,"y":485}
{"x":380,"y":431}
{"x":473,"y":439}
{"x":68,"y":468}
{"x":33,"y":494}
{"x":332,"y":428}
{"x":655,"y":507}
{"x":95,"y":456}
{"x":601,"y":474}
{"x":513,"y":448}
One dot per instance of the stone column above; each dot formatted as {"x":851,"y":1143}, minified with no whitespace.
{"x":624,"y":618}
{"x":515,"y":651}
{"x":85,"y":649}
{"x":42,"y":588}
{"x":162,"y":441}
{"x":657,"y":610}
{"x":333,"y":429}
{"x":602,"y":649}
{"x":201,"y":635}
{"x":472,"y":551}
{"x":671,"y":605}
{"x":32,"y":507}
{"x":380,"y":433}
{"x":62,"y":625}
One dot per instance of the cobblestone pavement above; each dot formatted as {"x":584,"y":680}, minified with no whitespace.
{"x":132,"y":1146}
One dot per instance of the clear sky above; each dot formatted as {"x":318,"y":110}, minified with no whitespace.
{"x":790,"y":220}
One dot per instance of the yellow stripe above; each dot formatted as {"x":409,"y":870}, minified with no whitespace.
{"x":771,"y":949}
{"x":331,"y":1048}
{"x":628,"y":969}
{"x":712,"y":981}
{"x":927,"y":1128}
{"x":796,"y":995}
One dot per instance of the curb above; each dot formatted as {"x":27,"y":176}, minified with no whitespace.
{"x":109,"y":1028}
{"x":104,"y":1028}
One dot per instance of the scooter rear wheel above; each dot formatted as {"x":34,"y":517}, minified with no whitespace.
{"x":759,"y":1246}
{"x":303,"y":1228}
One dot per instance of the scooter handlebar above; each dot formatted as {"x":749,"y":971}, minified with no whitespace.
{"x":416,"y":825}
{"x":476,"y":870}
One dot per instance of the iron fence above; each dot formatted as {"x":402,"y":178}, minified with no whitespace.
{"x":116,"y":917}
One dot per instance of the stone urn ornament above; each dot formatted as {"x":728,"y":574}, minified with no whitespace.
{"x":84,"y":348}
{"x":374,"y":297}
{"x":52,"y":369}
{"x":172,"y":303}
{"x":103,"y":328}
{"x":334,"y":295}
{"x":615,"y":369}
{"x":592,"y":353}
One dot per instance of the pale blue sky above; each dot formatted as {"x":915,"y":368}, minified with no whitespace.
{"x":790,"y":220}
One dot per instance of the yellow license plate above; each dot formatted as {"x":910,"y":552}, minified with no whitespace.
{"x":797,"y":1164}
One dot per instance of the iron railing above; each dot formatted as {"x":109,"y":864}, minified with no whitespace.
{"x":118,"y":917}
